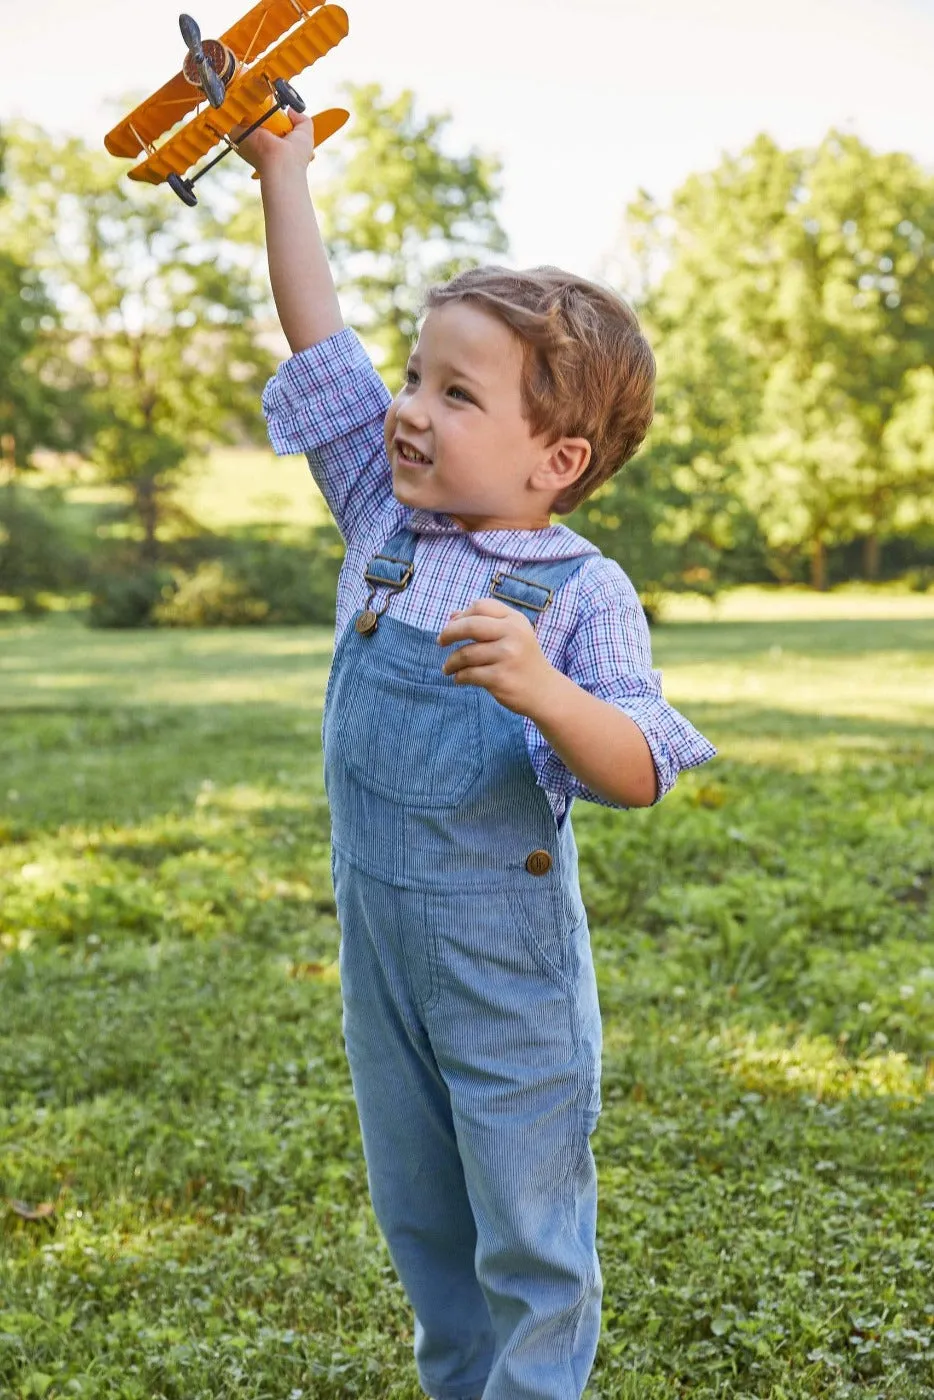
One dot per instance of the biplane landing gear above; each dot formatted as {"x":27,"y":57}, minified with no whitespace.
{"x":287,"y":96}
{"x":183,"y":189}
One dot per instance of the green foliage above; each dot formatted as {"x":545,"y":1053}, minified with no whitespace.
{"x":34,"y":410}
{"x":789,"y":296}
{"x":401,"y":214}
{"x":268,"y":578}
{"x":173,"y":1082}
{"x":210,"y":597}
{"x":127,"y":599}
{"x":39,"y":551}
{"x":159,"y":325}
{"x":255,"y":577}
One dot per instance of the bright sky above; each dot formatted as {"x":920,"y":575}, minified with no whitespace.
{"x":584,"y":100}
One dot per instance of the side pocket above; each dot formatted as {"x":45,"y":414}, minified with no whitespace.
{"x":542,"y":921}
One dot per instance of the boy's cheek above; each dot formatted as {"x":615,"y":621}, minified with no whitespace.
{"x":389,"y":426}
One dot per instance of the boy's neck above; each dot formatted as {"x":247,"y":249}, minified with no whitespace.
{"x":473,"y":525}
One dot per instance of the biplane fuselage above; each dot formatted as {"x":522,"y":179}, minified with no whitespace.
{"x":271,"y":43}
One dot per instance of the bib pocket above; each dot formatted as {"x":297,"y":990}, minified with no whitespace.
{"x":415,"y":742}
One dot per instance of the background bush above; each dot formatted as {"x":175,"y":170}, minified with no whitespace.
{"x":39,"y":549}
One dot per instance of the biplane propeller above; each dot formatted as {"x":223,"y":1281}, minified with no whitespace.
{"x":239,"y":80}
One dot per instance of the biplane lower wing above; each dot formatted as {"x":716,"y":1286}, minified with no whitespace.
{"x":248,"y":95}
{"x":153,"y":117}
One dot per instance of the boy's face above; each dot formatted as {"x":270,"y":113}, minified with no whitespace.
{"x":455,"y":433}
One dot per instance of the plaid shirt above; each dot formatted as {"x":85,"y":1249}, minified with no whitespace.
{"x":329,"y":403}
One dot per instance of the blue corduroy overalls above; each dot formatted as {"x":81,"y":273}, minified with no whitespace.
{"x":470,"y":1006}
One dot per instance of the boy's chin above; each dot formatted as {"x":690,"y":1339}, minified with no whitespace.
{"x":408,"y":492}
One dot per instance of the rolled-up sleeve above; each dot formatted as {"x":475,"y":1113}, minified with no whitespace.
{"x":329,"y":403}
{"x":609,"y":654}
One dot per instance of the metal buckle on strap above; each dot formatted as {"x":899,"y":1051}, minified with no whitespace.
{"x":397,"y":584}
{"x":496,"y":592}
{"x":368,"y":621}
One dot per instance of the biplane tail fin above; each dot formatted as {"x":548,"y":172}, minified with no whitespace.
{"x":325,"y":125}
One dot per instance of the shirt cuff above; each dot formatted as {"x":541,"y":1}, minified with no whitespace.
{"x":673,"y":742}
{"x":321,"y":394}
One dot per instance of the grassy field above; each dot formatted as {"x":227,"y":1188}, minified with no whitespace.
{"x":175,"y":1111}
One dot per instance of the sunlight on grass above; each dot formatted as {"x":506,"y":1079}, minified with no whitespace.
{"x":244,"y":798}
{"x":275,"y":666}
{"x":757,"y":604}
{"x":766,"y":1063}
{"x":833,"y":688}
{"x":233,"y":486}
{"x":241,"y":486}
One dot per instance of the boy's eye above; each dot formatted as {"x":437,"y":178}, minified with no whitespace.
{"x":455,"y":392}
{"x":411,"y":377}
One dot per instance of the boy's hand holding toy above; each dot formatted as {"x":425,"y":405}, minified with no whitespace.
{"x":503,"y":655}
{"x":267,"y":153}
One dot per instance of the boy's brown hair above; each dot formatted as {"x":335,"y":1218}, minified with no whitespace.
{"x":588,"y":370}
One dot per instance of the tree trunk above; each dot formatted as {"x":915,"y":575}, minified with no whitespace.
{"x":818,"y":566}
{"x":872,"y":557}
{"x":147,"y":505}
{"x":8,"y":458}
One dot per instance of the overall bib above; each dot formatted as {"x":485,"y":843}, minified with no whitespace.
{"x":470,"y":1005}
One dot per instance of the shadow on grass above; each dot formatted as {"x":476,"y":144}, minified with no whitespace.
{"x":727,"y":721}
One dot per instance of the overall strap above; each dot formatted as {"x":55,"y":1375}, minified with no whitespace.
{"x":392,"y":568}
{"x":393,"y":561}
{"x":532,"y":591}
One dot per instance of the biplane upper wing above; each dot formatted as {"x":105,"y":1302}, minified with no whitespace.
{"x":248,"y":94}
{"x":262,"y":25}
{"x":248,"y":38}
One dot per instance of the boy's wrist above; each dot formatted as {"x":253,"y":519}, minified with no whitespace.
{"x":284,"y":177}
{"x":551,"y":692}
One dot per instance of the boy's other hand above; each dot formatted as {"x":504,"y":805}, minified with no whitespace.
{"x":266,"y":152}
{"x":502,"y":656}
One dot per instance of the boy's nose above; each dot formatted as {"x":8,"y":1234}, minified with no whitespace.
{"x":413,"y":413}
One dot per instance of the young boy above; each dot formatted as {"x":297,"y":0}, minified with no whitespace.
{"x":489,"y":668}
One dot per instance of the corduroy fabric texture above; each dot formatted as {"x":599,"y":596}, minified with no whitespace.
{"x":470,"y":1017}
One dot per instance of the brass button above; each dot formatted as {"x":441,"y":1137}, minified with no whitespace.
{"x":538,"y":863}
{"x":366,"y":622}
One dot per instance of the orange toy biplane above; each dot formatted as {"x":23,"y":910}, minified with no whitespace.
{"x":243,"y":80}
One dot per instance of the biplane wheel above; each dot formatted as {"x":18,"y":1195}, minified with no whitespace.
{"x":287,"y":95}
{"x":183,"y":189}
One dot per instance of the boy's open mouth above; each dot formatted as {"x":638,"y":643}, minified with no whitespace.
{"x":409,"y":455}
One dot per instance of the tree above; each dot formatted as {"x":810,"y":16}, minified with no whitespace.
{"x":908,"y":445}
{"x":157,"y":311}
{"x":400,"y":214}
{"x":34,"y":411}
{"x":791,"y":304}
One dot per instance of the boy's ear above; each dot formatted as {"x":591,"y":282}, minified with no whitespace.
{"x":567,"y":460}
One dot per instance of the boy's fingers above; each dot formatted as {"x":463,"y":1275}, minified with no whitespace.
{"x":470,"y":656}
{"x":485,"y":607}
{"x":472,"y":628}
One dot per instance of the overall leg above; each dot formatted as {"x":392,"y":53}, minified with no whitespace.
{"x":413,"y":1165}
{"x":516,"y":1032}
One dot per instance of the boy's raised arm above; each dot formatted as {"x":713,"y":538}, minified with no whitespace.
{"x":302,"y":285}
{"x":327,"y":400}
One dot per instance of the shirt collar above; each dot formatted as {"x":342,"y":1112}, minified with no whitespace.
{"x":551,"y":542}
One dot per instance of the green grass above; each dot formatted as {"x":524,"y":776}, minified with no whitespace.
{"x":171,"y":1075}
